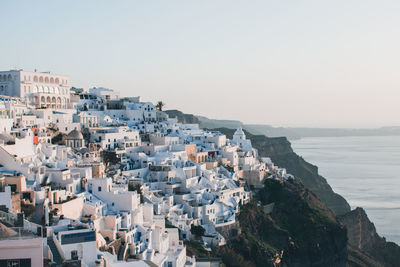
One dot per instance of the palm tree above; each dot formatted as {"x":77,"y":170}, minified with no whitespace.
{"x":160,"y":105}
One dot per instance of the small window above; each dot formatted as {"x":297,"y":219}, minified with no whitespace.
{"x":99,"y":189}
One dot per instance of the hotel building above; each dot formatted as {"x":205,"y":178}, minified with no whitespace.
{"x":40,"y":89}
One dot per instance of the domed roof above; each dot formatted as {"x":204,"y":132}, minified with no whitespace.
{"x":239,"y":131}
{"x":75,"y":135}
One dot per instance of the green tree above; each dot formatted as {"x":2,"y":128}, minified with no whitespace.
{"x":109,"y":158}
{"x":160,"y":105}
{"x":197,"y":230}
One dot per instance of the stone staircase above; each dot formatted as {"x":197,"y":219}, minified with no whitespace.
{"x":54,"y":251}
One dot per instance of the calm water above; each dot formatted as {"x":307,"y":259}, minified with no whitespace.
{"x":365,"y":171}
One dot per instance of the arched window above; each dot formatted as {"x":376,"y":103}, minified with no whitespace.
{"x":46,"y":80}
{"x":57,"y":81}
{"x":41,"y":79}
{"x":46,"y":89}
{"x":51,"y":80}
{"x":56,"y":90}
{"x":4,"y":77}
{"x":35,"y":79}
{"x":35,"y":89}
{"x":51,"y":90}
{"x":9,"y":77}
{"x":40,"y":89}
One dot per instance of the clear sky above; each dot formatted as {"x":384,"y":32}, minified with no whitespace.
{"x":285,"y":63}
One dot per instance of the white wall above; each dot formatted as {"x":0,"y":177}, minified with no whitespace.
{"x":5,"y":198}
{"x":23,"y":248}
{"x":71,"y":209}
{"x":6,"y":124}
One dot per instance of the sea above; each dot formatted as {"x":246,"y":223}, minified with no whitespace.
{"x":365,"y":171}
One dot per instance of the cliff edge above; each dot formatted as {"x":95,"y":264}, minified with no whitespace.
{"x":311,"y":225}
{"x":362,"y":236}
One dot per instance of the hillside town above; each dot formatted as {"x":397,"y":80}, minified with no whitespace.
{"x":92,"y":178}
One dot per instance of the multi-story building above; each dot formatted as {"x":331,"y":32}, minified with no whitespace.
{"x":41,"y":89}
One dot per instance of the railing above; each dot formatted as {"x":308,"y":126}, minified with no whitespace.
{"x":58,"y":246}
{"x":26,"y":231}
{"x":17,"y":233}
{"x":9,"y":218}
{"x":33,"y":227}
{"x":49,"y":254}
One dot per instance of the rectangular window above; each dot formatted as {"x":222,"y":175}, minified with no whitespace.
{"x":78,"y":238}
{"x":99,"y":189}
{"x":16,"y":262}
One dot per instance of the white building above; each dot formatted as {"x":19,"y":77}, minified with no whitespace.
{"x":42,"y":89}
{"x":239,"y":138}
{"x":113,"y":138}
{"x":5,"y":196}
{"x":25,"y":250}
{"x":80,"y":243}
{"x":104,"y":93}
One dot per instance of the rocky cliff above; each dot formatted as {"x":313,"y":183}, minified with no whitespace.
{"x":365,"y":246}
{"x":311,"y":225}
{"x":362,"y":236}
{"x":300,"y":231}
{"x":182,"y":117}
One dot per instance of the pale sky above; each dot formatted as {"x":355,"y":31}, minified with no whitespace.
{"x":284,"y":63}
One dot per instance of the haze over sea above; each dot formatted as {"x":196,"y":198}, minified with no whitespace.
{"x":364,"y":170}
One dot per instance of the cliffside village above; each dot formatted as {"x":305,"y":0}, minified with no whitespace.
{"x":90,"y":178}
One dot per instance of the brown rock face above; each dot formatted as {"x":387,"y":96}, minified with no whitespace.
{"x":360,"y":231}
{"x":362,"y":236}
{"x":289,"y":236}
{"x":301,"y":230}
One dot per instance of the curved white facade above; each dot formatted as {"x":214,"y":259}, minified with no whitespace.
{"x":41,"y":89}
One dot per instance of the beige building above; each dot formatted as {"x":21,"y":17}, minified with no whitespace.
{"x":20,"y":249}
{"x":41,"y":89}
